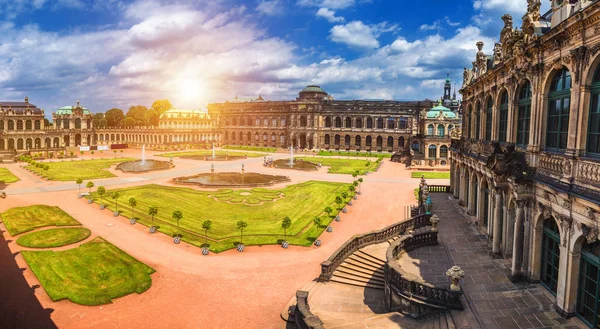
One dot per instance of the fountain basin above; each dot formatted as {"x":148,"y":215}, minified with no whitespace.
{"x":298,"y":164}
{"x":231,"y":179}
{"x":140,"y":166}
{"x":216,"y":158}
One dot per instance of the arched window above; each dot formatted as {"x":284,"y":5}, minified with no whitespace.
{"x":391,"y":123}
{"x":478,"y":121}
{"x":347,"y":140}
{"x":550,"y":255}
{"x":37,"y":125}
{"x":390,"y":141}
{"x":415,"y":146}
{"x":503,"y":119}
{"x":450,"y":127}
{"x":357,"y":141}
{"x":443,"y":151}
{"x":559,"y":106}
{"x":401,"y":142}
{"x":524,"y":115}
{"x":303,"y":121}
{"x":369,"y":123}
{"x":28,"y":125}
{"x":467,"y":123}
{"x":327,"y":139}
{"x":430,"y":130}
{"x":328,"y":122}
{"x":441,"y":130}
{"x":488,"y":119}
{"x":402,"y":123}
{"x":348,"y":122}
{"x":20,"y":125}
{"x":432,"y":151}
{"x":359,"y":123}
{"x":379,"y":123}
{"x":593,"y":137}
{"x":338,"y":122}
{"x":11,"y":125}
{"x":588,"y":307}
{"x":336,"y":139}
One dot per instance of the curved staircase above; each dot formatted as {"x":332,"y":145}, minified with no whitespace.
{"x":361,"y":269}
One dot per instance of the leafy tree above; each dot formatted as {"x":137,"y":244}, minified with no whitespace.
{"x":79,"y":181}
{"x":339,"y":201}
{"x":137,"y":113}
{"x":344,"y":195}
{"x":285,"y":224}
{"x":360,"y":180}
{"x":101,"y":191}
{"x":151,"y":118}
{"x":318,"y":221}
{"x":153,"y":211}
{"x":72,"y":156}
{"x":92,"y":153}
{"x":206,"y":225}
{"x":241,"y":225}
{"x":97,"y":120}
{"x":89,"y":185}
{"x":113,"y":117}
{"x":47,"y":123}
{"x":352,"y":188}
{"x":355,"y":174}
{"x":115,"y":196}
{"x":177,"y":215}
{"x":128,"y":122}
{"x":46,"y":168}
{"x":355,"y":183}
{"x":328,"y":210}
{"x":161,"y":106}
{"x":132,"y":204}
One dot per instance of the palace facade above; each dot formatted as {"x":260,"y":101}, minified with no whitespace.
{"x":527,"y":167}
{"x":316,"y":121}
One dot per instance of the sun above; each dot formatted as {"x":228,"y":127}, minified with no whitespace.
{"x":190,"y":89}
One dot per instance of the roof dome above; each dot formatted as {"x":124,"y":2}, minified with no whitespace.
{"x":313,"y":89}
{"x":440,"y":110}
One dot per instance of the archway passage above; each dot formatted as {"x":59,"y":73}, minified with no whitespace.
{"x":550,"y":255}
{"x":588,"y":294}
{"x":302,"y":141}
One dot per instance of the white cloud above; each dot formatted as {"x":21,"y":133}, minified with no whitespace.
{"x":358,"y":35}
{"x":269,"y":7}
{"x":333,"y":4}
{"x":488,"y":12}
{"x":428,"y":27}
{"x":329,"y":15}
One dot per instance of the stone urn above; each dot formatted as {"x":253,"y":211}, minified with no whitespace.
{"x":434,"y":219}
{"x":455,"y":274}
{"x":205,"y":251}
{"x":152,"y":229}
{"x":285,"y":245}
{"x":355,"y":197}
{"x":350,"y":203}
{"x":337,"y":218}
{"x":329,"y":229}
{"x":132,"y":221}
{"x":359,"y":193}
{"x":90,"y":201}
{"x":345,"y":210}
{"x":318,"y":243}
{"x":177,"y":239}
{"x":116,"y":213}
{"x":240,"y":247}
{"x":102,"y":206}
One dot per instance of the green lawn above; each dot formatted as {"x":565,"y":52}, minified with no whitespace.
{"x":7,"y":176}
{"x":344,"y":166}
{"x":55,"y":237}
{"x":208,"y":153}
{"x":87,"y":169}
{"x":355,"y":154}
{"x":431,"y":174}
{"x":262,"y":209}
{"x":24,"y":219}
{"x":250,"y":148}
{"x":93,"y":274}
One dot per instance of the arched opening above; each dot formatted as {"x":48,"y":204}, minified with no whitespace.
{"x":359,"y":123}
{"x":78,"y":123}
{"x":441,"y":131}
{"x":336,"y":141}
{"x":66,"y":124}
{"x":338,"y":122}
{"x":486,"y":203}
{"x":28,"y":125}
{"x":11,"y":144}
{"x":369,"y":142}
{"x":488,"y":119}
{"x":328,"y":122}
{"x":56,"y":142}
{"x":327,"y":139}
{"x":369,"y":123}
{"x":379,"y":123}
{"x":11,"y":125}
{"x":478,"y":121}
{"x":391,"y":123}
{"x":401,"y":142}
{"x":303,"y":121}
{"x":432,"y":152}
{"x":559,"y":108}
{"x":402,"y":124}
{"x":347,"y":142}
{"x":390,"y":142}
{"x":37,"y":143}
{"x":588,"y":300}
{"x":20,"y":144}
{"x":48,"y":143}
{"x":357,"y":141}
{"x":444,"y":152}
{"x":348,"y":122}
{"x":430,"y":130}
{"x":550,"y":255}
{"x":415,"y":147}
{"x":19,"y":124}
{"x":593,"y":135}
{"x":467,"y":123}
{"x":379,"y":143}
{"x":28,"y":144}
{"x":503,"y":117}
{"x":78,"y":139}
{"x":524,"y":115}
{"x":475,"y":195}
{"x":302,"y":141}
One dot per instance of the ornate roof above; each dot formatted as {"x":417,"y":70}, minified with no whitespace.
{"x":313,"y":89}
{"x":440,"y":110}
{"x":69,"y":110}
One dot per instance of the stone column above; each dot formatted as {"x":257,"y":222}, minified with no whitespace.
{"x":497,"y":231}
{"x":573,"y":117}
{"x":517,"y":258}
{"x":567,"y":299}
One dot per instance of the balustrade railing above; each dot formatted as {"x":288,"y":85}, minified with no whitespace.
{"x":303,"y":317}
{"x":363,"y":240}
{"x":551,"y":163}
{"x":439,"y":188}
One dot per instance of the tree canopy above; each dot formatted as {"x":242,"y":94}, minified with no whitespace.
{"x":161,"y":106}
{"x":114,"y":117}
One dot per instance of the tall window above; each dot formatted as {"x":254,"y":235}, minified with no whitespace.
{"x":593,"y":138}
{"x":478,"y":122}
{"x":441,"y":130}
{"x":432,"y":152}
{"x":488,"y":119}
{"x":559,"y":106}
{"x":402,"y":123}
{"x":550,"y":255}
{"x":430,"y":130}
{"x":503,"y":120}
{"x":524,"y":115}
{"x":589,"y":284}
{"x":468,"y":124}
{"x":443,"y":151}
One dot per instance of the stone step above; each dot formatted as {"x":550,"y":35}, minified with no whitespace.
{"x":371,"y":257}
{"x":358,"y":260}
{"x":378,"y":273}
{"x":362,"y":278}
{"x":354,"y":282}
{"x":348,"y":272}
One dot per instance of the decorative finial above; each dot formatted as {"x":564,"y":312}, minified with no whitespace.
{"x":26,"y":99}
{"x":455,"y":274}
{"x":77,"y":103}
{"x":480,"y":45}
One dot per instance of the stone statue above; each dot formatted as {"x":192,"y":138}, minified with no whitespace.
{"x":497,"y":53}
{"x":481,"y":60}
{"x":508,"y":27}
{"x":533,"y":9}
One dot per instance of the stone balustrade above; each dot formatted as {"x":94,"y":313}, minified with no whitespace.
{"x":303,"y":317}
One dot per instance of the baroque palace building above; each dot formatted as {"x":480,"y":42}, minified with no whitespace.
{"x":316,"y":121}
{"x":22,"y":129}
{"x":527,"y":167}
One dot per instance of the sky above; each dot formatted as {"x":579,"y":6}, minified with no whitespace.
{"x":119,"y":53}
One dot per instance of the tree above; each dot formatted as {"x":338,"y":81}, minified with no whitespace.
{"x":138,"y":114}
{"x":89,"y":185}
{"x":46,"y":168}
{"x":128,"y":122}
{"x":352,"y":188}
{"x":133,"y":204}
{"x":153,"y":211}
{"x":241,"y":225}
{"x":115,"y":153}
{"x":328,"y":210}
{"x":177,"y":215}
{"x":355,"y":174}
{"x":206,"y":225}
{"x":344,"y":195}
{"x":72,"y":156}
{"x":113,"y":117}
{"x":161,"y":106}
{"x":285,"y":224}
{"x":47,"y":123}
{"x":79,"y":181}
{"x":115,"y":196}
{"x":339,"y":201}
{"x":98,"y":121}
{"x":101,"y":191}
{"x":92,"y":153}
{"x":318,"y":221}
{"x":151,"y":117}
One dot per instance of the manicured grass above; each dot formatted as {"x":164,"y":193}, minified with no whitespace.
{"x":355,"y":154}
{"x":431,"y":174}
{"x":55,"y":237}
{"x":262,"y":209}
{"x":93,"y":274}
{"x":88,"y":169}
{"x":208,"y":153}
{"x":250,"y":148}
{"x":344,"y":166}
{"x":7,"y":176}
{"x":24,"y":219}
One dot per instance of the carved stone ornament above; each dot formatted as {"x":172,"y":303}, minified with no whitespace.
{"x":597,"y":28}
{"x":567,"y":204}
{"x":546,"y":211}
{"x":567,"y":224}
{"x":590,"y":233}
{"x":455,"y":274}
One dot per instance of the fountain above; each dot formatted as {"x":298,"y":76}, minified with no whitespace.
{"x":292,"y":163}
{"x":143,"y":165}
{"x":291,"y":156}
{"x":213,"y":151}
{"x":214,"y":156}
{"x":231,"y":179}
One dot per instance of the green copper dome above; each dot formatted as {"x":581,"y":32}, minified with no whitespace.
{"x":435,"y":112}
{"x":313,"y":89}
{"x":69,"y":110}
